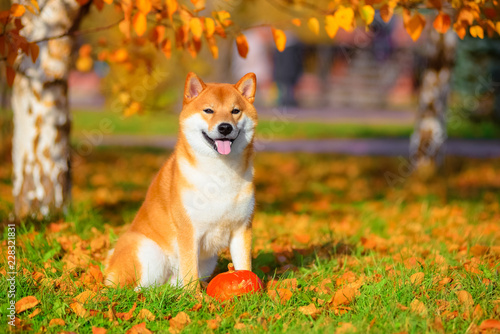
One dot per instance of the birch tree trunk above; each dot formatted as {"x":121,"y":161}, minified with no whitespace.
{"x":41,"y":147}
{"x":429,"y":136}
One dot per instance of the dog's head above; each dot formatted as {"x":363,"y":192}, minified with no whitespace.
{"x":216,"y":118}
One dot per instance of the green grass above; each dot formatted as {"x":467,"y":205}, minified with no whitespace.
{"x":108,"y":123}
{"x":352,"y":229}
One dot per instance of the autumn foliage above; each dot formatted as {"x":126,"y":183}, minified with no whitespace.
{"x":187,"y":26}
{"x":337,"y":246}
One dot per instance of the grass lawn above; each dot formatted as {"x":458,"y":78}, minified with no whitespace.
{"x":108,"y":123}
{"x":351,"y":252}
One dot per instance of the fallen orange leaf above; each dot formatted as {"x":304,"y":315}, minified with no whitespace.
{"x":34,"y":313}
{"x":146,"y":315}
{"x":344,"y":296}
{"x":418,"y":307}
{"x":98,"y":330}
{"x":56,"y":322}
{"x":26,"y":303}
{"x":180,"y":321}
{"x":85,"y":297}
{"x":465,"y":298}
{"x":139,"y":329}
{"x":417,"y":278}
{"x":127,"y":315}
{"x":78,"y":309}
{"x":281,"y":295}
{"x":490,"y":324}
{"x":309,"y":310}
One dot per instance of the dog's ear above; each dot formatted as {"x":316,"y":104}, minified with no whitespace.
{"x":193,"y":87}
{"x":247,"y":86}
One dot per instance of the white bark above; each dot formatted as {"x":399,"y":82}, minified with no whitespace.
{"x":429,"y":136}
{"x":41,"y":151}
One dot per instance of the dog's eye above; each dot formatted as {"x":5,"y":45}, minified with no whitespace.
{"x":235,"y":111}
{"x":208,"y":111}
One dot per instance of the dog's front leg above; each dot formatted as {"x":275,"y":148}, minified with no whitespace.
{"x":241,"y":247}
{"x":188,"y":260}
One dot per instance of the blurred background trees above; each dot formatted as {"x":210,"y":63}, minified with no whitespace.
{"x":131,"y":58}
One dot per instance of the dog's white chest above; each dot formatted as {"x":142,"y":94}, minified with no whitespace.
{"x":219,"y":200}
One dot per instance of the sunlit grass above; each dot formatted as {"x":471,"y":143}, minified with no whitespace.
{"x":96,"y":123}
{"x":318,"y":218}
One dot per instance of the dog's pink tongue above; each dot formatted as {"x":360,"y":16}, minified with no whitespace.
{"x":223,"y":146}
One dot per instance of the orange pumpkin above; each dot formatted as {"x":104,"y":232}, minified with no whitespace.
{"x":233,"y":283}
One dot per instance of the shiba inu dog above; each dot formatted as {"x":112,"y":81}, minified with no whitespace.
{"x":202,"y":199}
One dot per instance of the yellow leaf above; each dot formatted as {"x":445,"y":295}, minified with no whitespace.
{"x":476,"y":31}
{"x":413,"y":24}
{"x":17,"y":10}
{"x":313,"y":25}
{"x":209,"y":26}
{"x":296,"y":22}
{"x":172,"y":7}
{"x":367,"y":14}
{"x":345,"y":17}
{"x":196,"y":27}
{"x":30,"y":301}
{"x":34,"y":50}
{"x":279,"y":39}
{"x":417,"y":279}
{"x":133,"y":109}
{"x":331,"y":26}
{"x":498,"y":27}
{"x":35,"y":4}
{"x":242,"y":45}
{"x":224,"y":17}
{"x":143,"y":5}
{"x":140,"y":24}
{"x":109,"y":2}
{"x":84,"y":64}
{"x":442,"y":23}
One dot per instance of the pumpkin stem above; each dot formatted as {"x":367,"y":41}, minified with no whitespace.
{"x":230,"y":267}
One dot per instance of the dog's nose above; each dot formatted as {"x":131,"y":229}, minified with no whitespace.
{"x":225,"y":128}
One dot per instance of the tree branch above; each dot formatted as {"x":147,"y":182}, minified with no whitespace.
{"x":78,"y":32}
